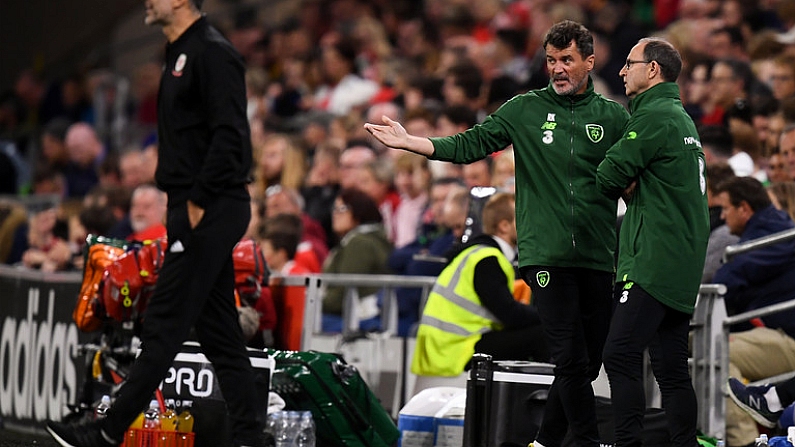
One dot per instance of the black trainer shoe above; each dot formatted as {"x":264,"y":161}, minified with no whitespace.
{"x":79,"y":435}
{"x":752,"y":400}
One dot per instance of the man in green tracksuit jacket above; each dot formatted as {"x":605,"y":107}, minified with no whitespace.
{"x":566,"y":228}
{"x":660,"y":168}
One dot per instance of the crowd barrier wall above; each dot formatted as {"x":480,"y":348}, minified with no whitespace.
{"x":41,"y":370}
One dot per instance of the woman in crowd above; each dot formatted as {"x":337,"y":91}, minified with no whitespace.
{"x":363,"y":248}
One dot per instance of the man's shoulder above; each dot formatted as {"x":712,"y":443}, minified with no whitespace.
{"x":521,"y":98}
{"x":613,"y":106}
{"x":215,"y":44}
{"x":485,"y":244}
{"x":530,"y":101}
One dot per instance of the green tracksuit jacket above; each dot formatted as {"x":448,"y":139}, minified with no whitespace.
{"x":663,"y":240}
{"x":562,"y":220}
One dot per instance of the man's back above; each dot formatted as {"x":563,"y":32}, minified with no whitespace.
{"x":763,"y":276}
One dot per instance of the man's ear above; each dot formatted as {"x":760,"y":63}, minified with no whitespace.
{"x":654,"y":69}
{"x":177,"y":4}
{"x":746,"y":209}
{"x":504,"y":226}
{"x":591,"y":62}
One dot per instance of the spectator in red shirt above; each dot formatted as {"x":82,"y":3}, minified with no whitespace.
{"x":147,"y":213}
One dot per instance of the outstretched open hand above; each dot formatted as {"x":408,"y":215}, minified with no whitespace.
{"x":391,"y":134}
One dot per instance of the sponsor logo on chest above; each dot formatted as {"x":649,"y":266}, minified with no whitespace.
{"x":595,"y":132}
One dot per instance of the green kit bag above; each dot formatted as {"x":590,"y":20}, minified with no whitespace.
{"x":346,"y":412}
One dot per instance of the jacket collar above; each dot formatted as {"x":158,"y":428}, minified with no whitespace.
{"x":571,"y":99}
{"x":768,"y":220}
{"x":663,"y":90}
{"x":505,"y":247}
{"x":361,"y":229}
{"x":200,"y":23}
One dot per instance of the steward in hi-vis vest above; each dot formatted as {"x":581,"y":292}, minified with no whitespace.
{"x":471,"y":307}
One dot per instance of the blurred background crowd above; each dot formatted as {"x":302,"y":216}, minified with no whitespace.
{"x":78,"y":151}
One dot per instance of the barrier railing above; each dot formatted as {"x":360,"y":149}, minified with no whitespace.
{"x":372,"y":353}
{"x":710,"y":359}
{"x":711,"y":325}
{"x":383,"y":358}
{"x":734,"y":250}
{"x":710,"y":344}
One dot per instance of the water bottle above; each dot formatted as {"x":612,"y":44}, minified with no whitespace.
{"x":102,"y":409}
{"x":270,"y":423}
{"x":295,"y":422}
{"x":168,"y":419}
{"x":282,"y":433}
{"x":138,"y":423}
{"x":306,"y":431}
{"x":185,"y":421}
{"x":152,"y":416}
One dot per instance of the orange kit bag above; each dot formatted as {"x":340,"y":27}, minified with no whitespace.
{"x":99,"y":256}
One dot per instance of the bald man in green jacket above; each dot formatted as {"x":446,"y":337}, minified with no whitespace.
{"x":659,"y":167}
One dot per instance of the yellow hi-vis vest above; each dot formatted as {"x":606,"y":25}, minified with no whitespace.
{"x":454,"y":318}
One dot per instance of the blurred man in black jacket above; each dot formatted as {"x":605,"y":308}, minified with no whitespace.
{"x":204,"y":160}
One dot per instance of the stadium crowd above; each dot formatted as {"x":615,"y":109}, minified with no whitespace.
{"x":439,"y":67}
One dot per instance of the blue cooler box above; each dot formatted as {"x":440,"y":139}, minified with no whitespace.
{"x":417,"y":419}
{"x":449,"y":423}
{"x":415,"y":431}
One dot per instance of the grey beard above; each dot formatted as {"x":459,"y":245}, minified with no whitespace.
{"x":573,"y":90}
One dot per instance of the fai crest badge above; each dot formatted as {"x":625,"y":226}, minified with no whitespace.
{"x":595,"y":132}
{"x":542,"y":278}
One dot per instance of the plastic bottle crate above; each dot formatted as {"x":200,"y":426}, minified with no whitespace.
{"x":143,"y":437}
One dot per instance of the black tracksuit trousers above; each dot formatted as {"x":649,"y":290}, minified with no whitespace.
{"x":195,"y":288}
{"x":575,"y":306}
